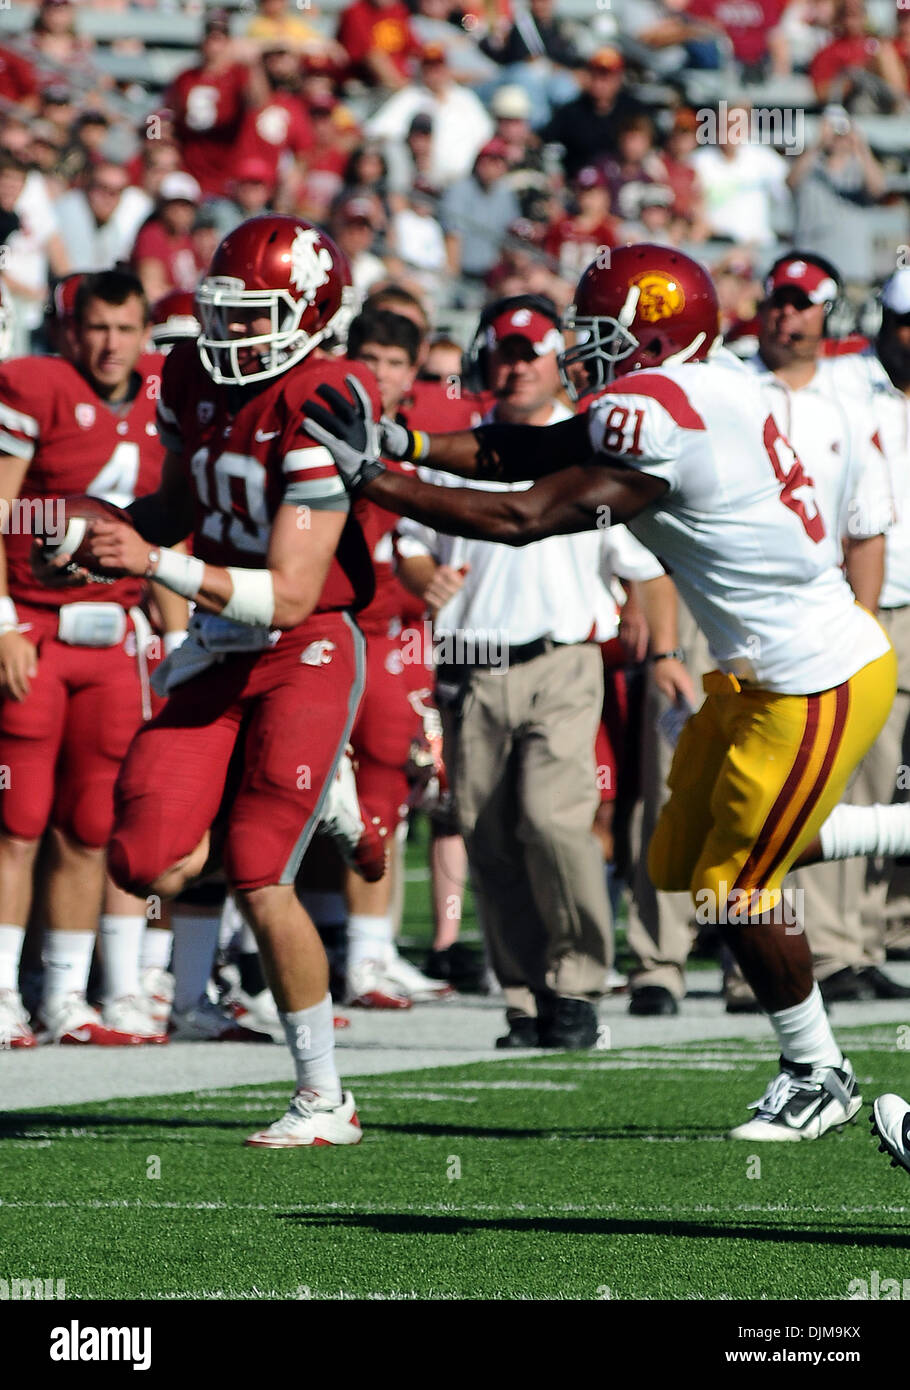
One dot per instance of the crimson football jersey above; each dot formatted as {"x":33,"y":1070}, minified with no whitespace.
{"x":430,"y":407}
{"x":245,"y":453}
{"x":209,"y":110}
{"x":391,"y":599}
{"x":74,"y":443}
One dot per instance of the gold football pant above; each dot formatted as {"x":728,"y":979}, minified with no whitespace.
{"x":754,"y":776}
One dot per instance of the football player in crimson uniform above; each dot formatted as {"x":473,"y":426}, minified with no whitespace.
{"x":73,"y":674}
{"x":680,"y":444}
{"x":398,"y":680}
{"x":263,"y":694}
{"x":173,"y":318}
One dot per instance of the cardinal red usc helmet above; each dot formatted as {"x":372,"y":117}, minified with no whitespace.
{"x":650,"y":305}
{"x":173,"y":317}
{"x":276,"y":267}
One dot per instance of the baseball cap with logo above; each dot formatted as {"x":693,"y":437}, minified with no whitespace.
{"x":433,"y":53}
{"x":538,"y":330}
{"x":494,"y":149}
{"x":252,"y":170}
{"x":607,"y":60}
{"x":511,"y":103}
{"x":895,"y":294}
{"x":179,"y":187}
{"x":589,"y":177}
{"x":813,"y":281}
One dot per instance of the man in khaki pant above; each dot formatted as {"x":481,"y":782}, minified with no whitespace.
{"x":520,"y":684}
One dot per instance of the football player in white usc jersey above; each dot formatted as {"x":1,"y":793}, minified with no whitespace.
{"x":682,"y":447}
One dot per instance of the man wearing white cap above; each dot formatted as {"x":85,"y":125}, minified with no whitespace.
{"x":163,"y":254}
{"x":881,"y":374}
{"x":826,"y":424}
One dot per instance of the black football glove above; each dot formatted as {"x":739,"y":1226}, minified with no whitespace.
{"x":347,"y":429}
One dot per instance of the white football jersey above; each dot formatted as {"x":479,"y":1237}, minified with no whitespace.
{"x":828,"y":429}
{"x":739,"y":527}
{"x":886,"y":414}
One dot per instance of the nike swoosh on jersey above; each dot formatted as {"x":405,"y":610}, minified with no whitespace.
{"x":261,"y":436}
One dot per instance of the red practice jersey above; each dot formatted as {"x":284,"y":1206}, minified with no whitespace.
{"x":74,"y":443}
{"x":245,"y":453}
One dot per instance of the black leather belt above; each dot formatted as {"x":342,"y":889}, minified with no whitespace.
{"x":529,"y":650}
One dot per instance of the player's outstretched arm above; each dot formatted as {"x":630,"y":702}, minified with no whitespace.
{"x":508,"y":453}
{"x":576,"y":499}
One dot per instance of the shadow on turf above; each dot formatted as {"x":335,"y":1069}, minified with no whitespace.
{"x":408,"y":1224}
{"x":17,"y":1123}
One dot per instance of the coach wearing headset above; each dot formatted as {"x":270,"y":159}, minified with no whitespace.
{"x":521,"y":703}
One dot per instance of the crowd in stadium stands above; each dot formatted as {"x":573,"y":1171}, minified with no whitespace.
{"x":452,"y":149}
{"x":464,"y":152}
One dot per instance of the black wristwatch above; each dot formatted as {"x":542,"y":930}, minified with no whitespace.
{"x":677,"y":654}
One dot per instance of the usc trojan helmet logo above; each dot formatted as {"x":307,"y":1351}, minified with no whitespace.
{"x":661,"y":295}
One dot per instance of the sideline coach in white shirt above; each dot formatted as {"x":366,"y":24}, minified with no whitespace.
{"x":520,"y":714}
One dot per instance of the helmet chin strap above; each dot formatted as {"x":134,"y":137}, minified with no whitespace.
{"x":626,"y":314}
{"x":685,"y":353}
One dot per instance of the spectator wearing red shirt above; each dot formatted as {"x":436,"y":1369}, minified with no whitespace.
{"x":279,"y":131}
{"x":747,"y":24}
{"x":210,"y":104}
{"x":325,"y":161}
{"x":18,"y":83}
{"x":164,"y":255}
{"x":575,"y":241}
{"x":857,"y":69}
{"x":379,"y":40}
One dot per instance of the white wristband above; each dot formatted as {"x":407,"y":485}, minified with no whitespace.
{"x":253,"y":599}
{"x":182,"y":574}
{"x":9,"y":618}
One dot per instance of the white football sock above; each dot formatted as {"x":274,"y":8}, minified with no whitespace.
{"x":248,"y":945}
{"x":369,"y":938}
{"x":232,"y":922}
{"x":121,"y":945}
{"x":864,"y":830}
{"x":157,"y":945}
{"x":195,"y":943}
{"x":326,"y":909}
{"x":805,"y":1034}
{"x":310,"y":1035}
{"x":11,"y":939}
{"x":67,"y":957}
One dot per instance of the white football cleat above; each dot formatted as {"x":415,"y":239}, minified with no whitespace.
{"x":208,"y":1022}
{"x":158,"y":990}
{"x":256,"y":1011}
{"x":803,"y":1102}
{"x":361,"y":842}
{"x":130,"y":1014}
{"x":411,"y":982}
{"x":72,"y":1021}
{"x":891,"y":1125}
{"x":368,"y":987}
{"x":311,"y":1122}
{"x":14,"y":1025}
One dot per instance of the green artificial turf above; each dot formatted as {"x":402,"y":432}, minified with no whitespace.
{"x":558,"y":1176}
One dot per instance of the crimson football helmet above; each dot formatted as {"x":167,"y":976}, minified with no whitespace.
{"x":173,"y":318}
{"x":59,"y":313}
{"x":288,"y":270}
{"x":645,"y":306}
